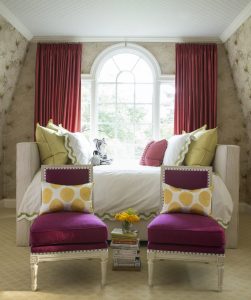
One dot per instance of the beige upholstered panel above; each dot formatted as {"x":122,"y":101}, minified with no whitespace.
{"x":27,"y":165}
{"x":227,"y":165}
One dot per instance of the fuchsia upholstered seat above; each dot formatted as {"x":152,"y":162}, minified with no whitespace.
{"x":67,"y":230}
{"x":186,"y":232}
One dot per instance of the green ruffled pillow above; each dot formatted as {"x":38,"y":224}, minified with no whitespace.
{"x":202,"y":150}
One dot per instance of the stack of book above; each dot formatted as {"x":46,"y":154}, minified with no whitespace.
{"x":125,"y":247}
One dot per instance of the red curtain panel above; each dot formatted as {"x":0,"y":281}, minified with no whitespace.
{"x":196,"y":87}
{"x":58,"y":85}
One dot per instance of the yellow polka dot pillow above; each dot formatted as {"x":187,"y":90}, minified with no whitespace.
{"x":197,"y":201}
{"x":56,"y":197}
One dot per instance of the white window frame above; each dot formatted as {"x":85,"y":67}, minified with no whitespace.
{"x":158,"y":78}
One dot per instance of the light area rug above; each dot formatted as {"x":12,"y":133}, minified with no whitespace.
{"x":81,"y":279}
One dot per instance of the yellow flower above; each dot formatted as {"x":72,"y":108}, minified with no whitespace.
{"x":128,"y":216}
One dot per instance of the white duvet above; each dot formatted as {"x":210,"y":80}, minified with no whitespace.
{"x":117,"y":188}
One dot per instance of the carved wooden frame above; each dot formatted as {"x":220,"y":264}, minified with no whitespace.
{"x":217,"y":259}
{"x":36,"y":258}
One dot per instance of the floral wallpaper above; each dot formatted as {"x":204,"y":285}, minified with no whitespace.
{"x":12,"y":52}
{"x":238,"y":49}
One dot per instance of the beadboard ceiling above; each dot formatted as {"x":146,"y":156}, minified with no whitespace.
{"x":126,"y":19}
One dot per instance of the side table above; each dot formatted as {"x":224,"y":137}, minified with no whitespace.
{"x":125,"y":250}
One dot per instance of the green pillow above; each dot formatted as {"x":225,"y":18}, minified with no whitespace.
{"x":201,"y":151}
{"x":51,"y":146}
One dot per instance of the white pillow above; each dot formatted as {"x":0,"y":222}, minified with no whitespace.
{"x":177,"y":148}
{"x":78,"y":147}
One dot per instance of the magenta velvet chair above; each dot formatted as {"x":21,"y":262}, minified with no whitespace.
{"x":67,"y":235}
{"x":187,"y":237}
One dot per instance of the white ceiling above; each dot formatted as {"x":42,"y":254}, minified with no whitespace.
{"x":126,"y":18}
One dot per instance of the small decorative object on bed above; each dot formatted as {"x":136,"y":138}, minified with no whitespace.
{"x":127,"y":218}
{"x":100,"y":145}
{"x":186,"y":236}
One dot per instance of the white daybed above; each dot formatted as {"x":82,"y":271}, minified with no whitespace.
{"x":226,"y":165}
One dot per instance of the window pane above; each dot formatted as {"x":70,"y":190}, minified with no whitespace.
{"x":125,"y":93}
{"x":166,"y":110}
{"x":106,"y":113}
{"x":143,"y":135}
{"x":143,"y":113}
{"x":107,"y":131}
{"x":125,"y":114}
{"x":109,"y":72}
{"x":142,"y":72}
{"x":125,"y":61}
{"x":119,"y":150}
{"x":86,"y":112}
{"x":106,"y":93}
{"x":86,"y":92}
{"x":125,"y":132}
{"x":86,"y":107}
{"x":144,"y":93}
{"x":125,"y":77}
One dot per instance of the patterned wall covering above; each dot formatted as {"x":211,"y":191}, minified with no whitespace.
{"x":12,"y":52}
{"x":238,"y":48}
{"x":231,"y":123}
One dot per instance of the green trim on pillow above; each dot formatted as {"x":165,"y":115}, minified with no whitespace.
{"x":202,"y":150}
{"x":70,"y":150}
{"x":183,"y":152}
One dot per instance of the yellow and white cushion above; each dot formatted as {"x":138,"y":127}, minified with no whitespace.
{"x":56,"y":197}
{"x":197,"y":201}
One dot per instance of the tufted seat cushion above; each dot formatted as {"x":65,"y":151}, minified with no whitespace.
{"x":67,"y":231}
{"x":174,"y":231}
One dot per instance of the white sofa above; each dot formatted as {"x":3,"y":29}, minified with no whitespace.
{"x":226,"y":164}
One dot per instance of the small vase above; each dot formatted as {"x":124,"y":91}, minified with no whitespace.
{"x":126,"y":227}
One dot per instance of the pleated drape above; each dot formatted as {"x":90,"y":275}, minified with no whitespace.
{"x":196,"y":87}
{"x":58,"y":85}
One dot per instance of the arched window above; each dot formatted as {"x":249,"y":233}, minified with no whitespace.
{"x":124,"y":105}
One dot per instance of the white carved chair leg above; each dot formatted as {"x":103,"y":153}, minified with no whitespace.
{"x":104,"y":261}
{"x":150,"y":271}
{"x":34,"y":271}
{"x":220,"y":267}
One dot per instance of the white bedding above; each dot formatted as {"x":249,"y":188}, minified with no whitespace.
{"x":117,"y":188}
